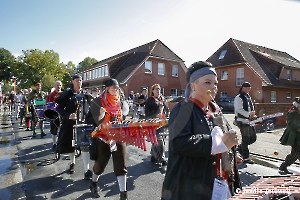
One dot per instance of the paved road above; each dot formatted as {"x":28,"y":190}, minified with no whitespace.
{"x":28,"y":169}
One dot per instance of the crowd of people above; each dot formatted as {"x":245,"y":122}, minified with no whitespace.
{"x":202,"y":151}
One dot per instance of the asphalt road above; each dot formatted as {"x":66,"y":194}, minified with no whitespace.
{"x":28,"y":168}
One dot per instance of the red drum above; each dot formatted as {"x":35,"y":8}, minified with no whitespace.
{"x":50,"y":111}
{"x":83,"y":134}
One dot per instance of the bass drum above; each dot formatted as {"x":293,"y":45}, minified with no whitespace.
{"x":50,"y":112}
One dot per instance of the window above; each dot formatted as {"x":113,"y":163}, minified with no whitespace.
{"x":98,"y":72}
{"x":223,"y":94}
{"x":163,"y":91}
{"x":224,"y":75}
{"x":94,"y":73}
{"x":288,"y":95}
{"x":106,"y":70}
{"x":222,"y":55}
{"x":239,"y":76}
{"x":173,"y":92}
{"x":161,"y":69}
{"x":175,"y":71}
{"x":84,"y":76}
{"x":289,"y":75}
{"x":148,"y":67}
{"x":90,"y":75}
{"x":273,"y":96}
{"x":182,"y":92}
{"x":101,"y":72}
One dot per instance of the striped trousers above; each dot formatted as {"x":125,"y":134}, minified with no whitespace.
{"x":292,"y":157}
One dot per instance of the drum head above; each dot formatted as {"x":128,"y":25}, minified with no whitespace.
{"x":51,"y":114}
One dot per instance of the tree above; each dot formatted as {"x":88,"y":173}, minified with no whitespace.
{"x":48,"y":82}
{"x":35,"y":64}
{"x":86,"y":64}
{"x":7,"y":61}
{"x":68,"y":71}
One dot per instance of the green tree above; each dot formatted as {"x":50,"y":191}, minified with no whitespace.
{"x":48,"y":82}
{"x":7,"y":62}
{"x":67,"y":71}
{"x":34,"y":64}
{"x":86,"y":64}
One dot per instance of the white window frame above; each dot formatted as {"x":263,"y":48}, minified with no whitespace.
{"x":102,"y":71}
{"x":161,"y":69}
{"x":289,"y":74}
{"x":174,"y":70}
{"x":163,"y":91}
{"x":224,"y":75}
{"x":182,"y":92}
{"x":273,"y":97}
{"x":223,"y":94}
{"x":239,"y":76}
{"x":148,"y":67}
{"x":106,"y":72}
{"x":174,"y":91}
{"x":288,"y":95}
{"x":94,"y":73}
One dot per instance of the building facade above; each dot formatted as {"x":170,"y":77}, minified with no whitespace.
{"x":274,"y":75}
{"x":140,"y":67}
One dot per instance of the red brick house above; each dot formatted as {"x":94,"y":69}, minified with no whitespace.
{"x":274,"y":75}
{"x":141,"y":67}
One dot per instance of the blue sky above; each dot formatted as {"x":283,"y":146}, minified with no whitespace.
{"x":193,"y":29}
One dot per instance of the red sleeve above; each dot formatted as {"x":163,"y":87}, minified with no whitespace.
{"x":50,"y":97}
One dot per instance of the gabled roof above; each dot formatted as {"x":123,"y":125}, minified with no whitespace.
{"x":122,"y":64}
{"x":265,"y":62}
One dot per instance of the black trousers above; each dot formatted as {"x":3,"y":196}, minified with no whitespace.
{"x":292,"y":157}
{"x":54,"y":126}
{"x":248,"y":137}
{"x":103,"y":156}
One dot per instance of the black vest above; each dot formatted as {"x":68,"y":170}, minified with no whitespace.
{"x":247,"y":103}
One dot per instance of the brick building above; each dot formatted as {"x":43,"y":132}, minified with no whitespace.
{"x":274,"y":75}
{"x":140,"y":67}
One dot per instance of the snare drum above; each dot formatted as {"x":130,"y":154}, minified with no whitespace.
{"x":50,"y":111}
{"x":82,"y":134}
{"x":40,"y":112}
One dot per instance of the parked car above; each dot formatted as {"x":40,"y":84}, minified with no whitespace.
{"x":171,"y":101}
{"x":226,"y":103}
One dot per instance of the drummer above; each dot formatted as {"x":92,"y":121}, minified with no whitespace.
{"x":73,"y":105}
{"x":36,"y":94}
{"x":54,"y":124}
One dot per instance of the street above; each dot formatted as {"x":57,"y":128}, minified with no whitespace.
{"x":29,"y":169}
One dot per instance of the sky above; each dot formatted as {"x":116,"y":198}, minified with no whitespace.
{"x":193,"y":29}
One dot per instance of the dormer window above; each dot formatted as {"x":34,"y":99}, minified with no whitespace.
{"x":222,"y":55}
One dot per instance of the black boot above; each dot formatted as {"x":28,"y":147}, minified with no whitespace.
{"x":123,"y":195}
{"x":284,"y":170}
{"x":94,"y":189}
